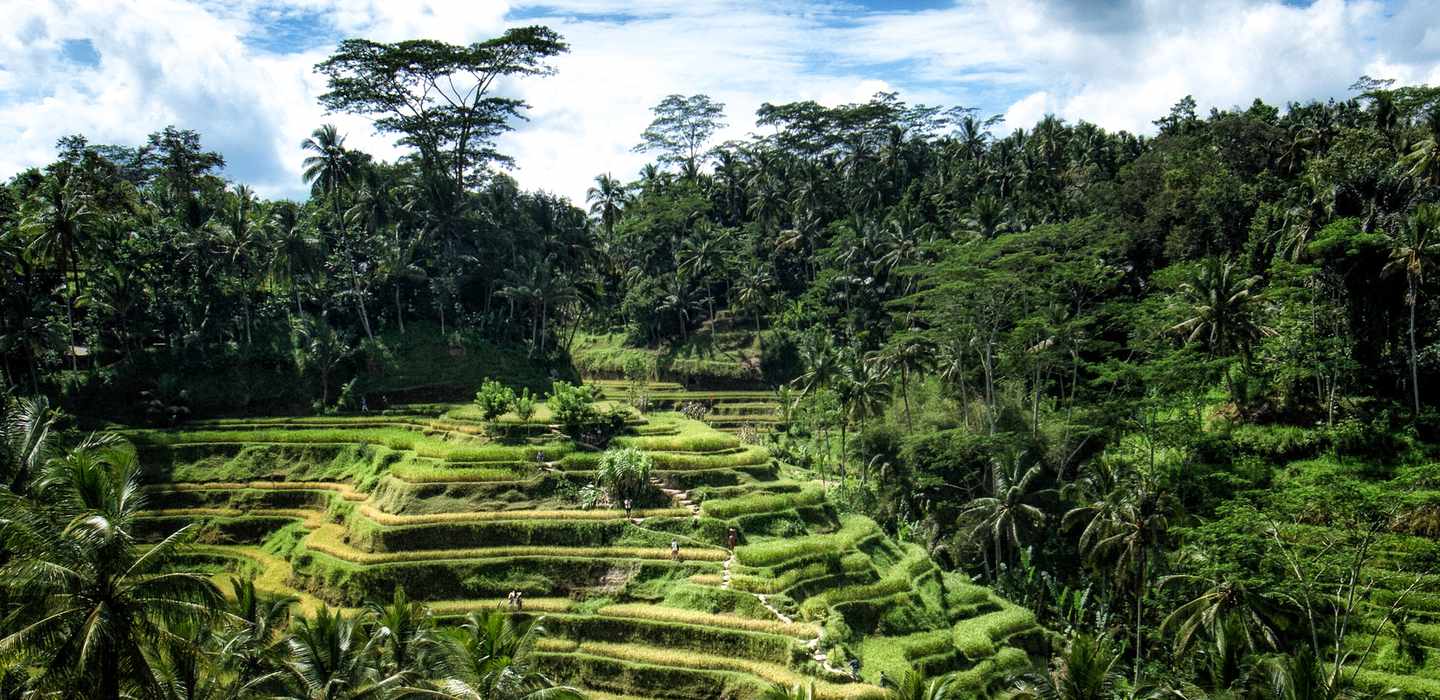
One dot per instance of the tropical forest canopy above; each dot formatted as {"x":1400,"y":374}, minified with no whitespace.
{"x":1172,"y":393}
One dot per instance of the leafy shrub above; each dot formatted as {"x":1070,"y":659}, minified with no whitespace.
{"x":524,"y":405}
{"x":494,"y":399}
{"x":574,"y":409}
{"x":625,"y":471}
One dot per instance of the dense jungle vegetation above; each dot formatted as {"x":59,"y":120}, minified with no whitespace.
{"x":1172,"y":394}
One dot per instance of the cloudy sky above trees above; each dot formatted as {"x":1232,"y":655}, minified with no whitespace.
{"x":239,"y":71}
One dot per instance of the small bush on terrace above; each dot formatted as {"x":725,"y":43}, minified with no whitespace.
{"x":624,"y":471}
{"x":494,"y":399}
{"x":524,"y":405}
{"x":575,"y":411}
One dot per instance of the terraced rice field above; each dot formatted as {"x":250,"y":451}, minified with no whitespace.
{"x":341,"y":510}
{"x":729,"y":409}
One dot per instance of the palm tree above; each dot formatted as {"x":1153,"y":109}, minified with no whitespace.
{"x":702,"y":257}
{"x":293,"y":244}
{"x":678,"y":300}
{"x":1424,"y":156}
{"x":238,"y":237}
{"x":870,"y":391}
{"x":256,"y":646}
{"x":332,"y":658}
{"x":607,"y":201}
{"x":318,"y":346}
{"x":907,"y":353}
{"x":1123,"y":531}
{"x":56,"y":222}
{"x":1006,"y":516}
{"x":26,"y":445}
{"x":753,"y":291}
{"x":1223,"y":607}
{"x":795,"y":692}
{"x":329,"y":169}
{"x":489,"y":661}
{"x":914,"y":686}
{"x":1223,"y":312}
{"x":1413,"y":251}
{"x":93,"y":598}
{"x":406,"y":633}
{"x":1086,"y":670}
{"x":817,"y":353}
{"x":185,"y":666}
{"x":1304,"y":676}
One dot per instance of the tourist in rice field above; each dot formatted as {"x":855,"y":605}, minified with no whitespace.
{"x":519,"y":601}
{"x":628,"y":505}
{"x":731,"y":538}
{"x":675,"y":550}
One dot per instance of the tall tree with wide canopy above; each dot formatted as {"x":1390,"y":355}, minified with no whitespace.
{"x":439,"y":98}
{"x":682,"y":127}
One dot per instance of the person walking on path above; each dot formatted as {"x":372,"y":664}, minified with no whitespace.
{"x":519,"y":601}
{"x":675,"y":550}
{"x":731,"y":538}
{"x":628,"y":505}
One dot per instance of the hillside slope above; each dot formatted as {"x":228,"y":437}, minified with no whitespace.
{"x":340,"y":510}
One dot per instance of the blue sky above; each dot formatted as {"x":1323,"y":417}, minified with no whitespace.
{"x":239,"y":72}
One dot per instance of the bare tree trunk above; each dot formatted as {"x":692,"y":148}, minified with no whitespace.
{"x":1414,"y":374}
{"x":399,"y":310}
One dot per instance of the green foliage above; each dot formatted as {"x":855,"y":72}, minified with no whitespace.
{"x":524,"y":405}
{"x":494,"y":399}
{"x":625,"y":472}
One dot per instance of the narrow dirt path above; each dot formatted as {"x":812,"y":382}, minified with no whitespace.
{"x":813,"y":645}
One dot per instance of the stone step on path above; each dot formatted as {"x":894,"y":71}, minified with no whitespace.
{"x":679,"y":496}
{"x":813,"y":645}
{"x":725,"y":576}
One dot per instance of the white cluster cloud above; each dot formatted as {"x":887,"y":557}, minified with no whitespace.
{"x":239,"y":72}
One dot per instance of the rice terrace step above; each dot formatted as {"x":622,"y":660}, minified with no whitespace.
{"x":645,"y":603}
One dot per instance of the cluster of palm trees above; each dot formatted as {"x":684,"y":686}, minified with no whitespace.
{"x":119,"y":252}
{"x":90,"y":611}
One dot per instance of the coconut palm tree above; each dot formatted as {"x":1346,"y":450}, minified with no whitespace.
{"x":871,"y":390}
{"x":817,"y":353}
{"x":26,"y":445}
{"x":1009,"y":513}
{"x":294,"y":248}
{"x":1123,"y":532}
{"x":752,"y":290}
{"x":796,"y":692}
{"x":406,"y":631}
{"x":1413,"y":251}
{"x":1086,"y":670}
{"x":93,"y":599}
{"x":332,"y":657}
{"x":488,"y":660}
{"x":1222,"y":607}
{"x":678,"y":300}
{"x":607,"y":202}
{"x":1424,"y":157}
{"x":317,"y":346}
{"x":56,"y":222}
{"x":907,"y":354}
{"x":254,"y":645}
{"x":914,"y":686}
{"x":330,"y":169}
{"x":1223,"y":311}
